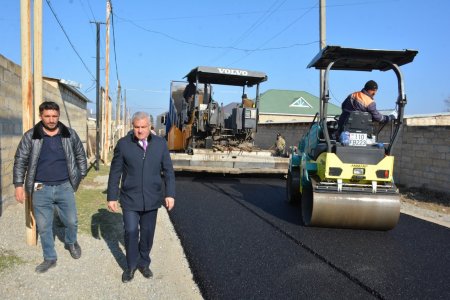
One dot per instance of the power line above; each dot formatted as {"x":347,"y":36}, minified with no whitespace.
{"x":261,"y":20}
{"x":264,"y":17}
{"x":203,"y":16}
{"x":68,"y":39}
{"x":87,"y":14}
{"x":196,"y":17}
{"x":90,"y":8}
{"x":114,"y":41}
{"x":204,"y":45}
{"x":91,"y":87}
{"x":84,"y":10}
{"x":277,"y":34}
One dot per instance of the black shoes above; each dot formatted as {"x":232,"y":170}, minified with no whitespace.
{"x":146,"y":272}
{"x":75,"y":252}
{"x":45,"y":265}
{"x":128,"y":275}
{"x":74,"y":249}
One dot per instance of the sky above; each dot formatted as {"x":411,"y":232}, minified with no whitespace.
{"x":155,"y":42}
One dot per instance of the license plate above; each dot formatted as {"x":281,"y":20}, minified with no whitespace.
{"x":358,"y":139}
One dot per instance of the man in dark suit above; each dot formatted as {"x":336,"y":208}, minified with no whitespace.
{"x":138,"y":160}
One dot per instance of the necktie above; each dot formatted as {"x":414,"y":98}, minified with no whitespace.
{"x":144,"y":144}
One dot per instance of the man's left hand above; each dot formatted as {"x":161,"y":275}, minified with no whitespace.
{"x":170,"y":203}
{"x":393,"y":115}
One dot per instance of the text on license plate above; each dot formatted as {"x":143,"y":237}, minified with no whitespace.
{"x":358,"y":139}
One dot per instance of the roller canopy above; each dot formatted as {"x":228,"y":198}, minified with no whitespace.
{"x":226,"y":76}
{"x":361,"y":59}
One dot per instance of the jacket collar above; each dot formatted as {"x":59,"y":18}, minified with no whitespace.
{"x":38,"y":132}
{"x":134,"y":139}
{"x":366,"y":93}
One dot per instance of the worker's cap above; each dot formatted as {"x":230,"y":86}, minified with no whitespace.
{"x":371,"y":85}
{"x":244,"y":95}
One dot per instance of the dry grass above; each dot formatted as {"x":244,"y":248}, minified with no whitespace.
{"x":93,"y":216}
{"x":8,"y":259}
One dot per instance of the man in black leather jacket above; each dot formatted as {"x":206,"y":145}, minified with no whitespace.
{"x":49,"y":164}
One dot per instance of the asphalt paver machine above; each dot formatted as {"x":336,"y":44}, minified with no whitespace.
{"x":203,"y":137}
{"x":349,"y":186}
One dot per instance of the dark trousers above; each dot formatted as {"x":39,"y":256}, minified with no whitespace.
{"x":139,"y":227}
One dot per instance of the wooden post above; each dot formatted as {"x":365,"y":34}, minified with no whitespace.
{"x":37,"y":78}
{"x":102,"y":124}
{"x":117,"y":131}
{"x":125,"y":117}
{"x":27,"y":105}
{"x":108,"y":127}
{"x":37,"y":57}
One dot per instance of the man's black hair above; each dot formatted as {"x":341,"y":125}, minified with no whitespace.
{"x":48,"y":105}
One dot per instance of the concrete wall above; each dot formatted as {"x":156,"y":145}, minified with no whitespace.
{"x":73,"y":114}
{"x":422,"y":151}
{"x":10,"y":126}
{"x":292,"y":132}
{"x":423,"y":158}
{"x":73,"y":110}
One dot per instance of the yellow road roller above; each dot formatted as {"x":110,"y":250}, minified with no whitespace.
{"x":348,"y":185}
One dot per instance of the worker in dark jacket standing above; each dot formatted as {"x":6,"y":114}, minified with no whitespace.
{"x":49,"y":164}
{"x":138,"y":160}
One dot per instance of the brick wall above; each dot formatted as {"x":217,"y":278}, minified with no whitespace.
{"x":73,"y":114}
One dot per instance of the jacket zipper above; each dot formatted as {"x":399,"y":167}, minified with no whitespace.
{"x":143,"y":163}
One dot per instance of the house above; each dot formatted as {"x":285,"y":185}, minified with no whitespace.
{"x":288,"y":106}
{"x":288,"y":113}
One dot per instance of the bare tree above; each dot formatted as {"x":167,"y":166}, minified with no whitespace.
{"x":447,"y":104}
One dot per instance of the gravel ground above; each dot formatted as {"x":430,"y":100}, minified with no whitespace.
{"x":97,"y":274}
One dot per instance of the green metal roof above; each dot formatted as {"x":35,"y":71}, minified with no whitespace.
{"x":288,"y":102}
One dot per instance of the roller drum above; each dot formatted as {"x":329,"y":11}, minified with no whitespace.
{"x":350,"y":210}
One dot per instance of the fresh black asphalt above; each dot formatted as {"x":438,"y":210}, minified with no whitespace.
{"x":243,"y":241}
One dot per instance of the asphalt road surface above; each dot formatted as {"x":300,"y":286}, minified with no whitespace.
{"x":243,"y":241}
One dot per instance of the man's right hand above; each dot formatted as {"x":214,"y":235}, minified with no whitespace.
{"x":113,"y":206}
{"x":20,"y":194}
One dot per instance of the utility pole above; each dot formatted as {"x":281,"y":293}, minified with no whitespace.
{"x":322,"y":26}
{"x":107,"y":102}
{"x":97,"y":100}
{"x":27,"y":99}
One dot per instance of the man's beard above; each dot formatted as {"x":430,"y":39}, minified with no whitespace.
{"x":50,"y":129}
